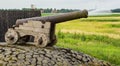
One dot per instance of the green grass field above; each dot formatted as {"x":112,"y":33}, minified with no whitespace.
{"x":98,"y":36}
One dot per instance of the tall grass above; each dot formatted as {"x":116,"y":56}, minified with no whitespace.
{"x":107,"y":15}
{"x":100,"y":43}
{"x":48,"y":14}
{"x":101,"y":47}
{"x":102,"y":19}
{"x":98,"y":25}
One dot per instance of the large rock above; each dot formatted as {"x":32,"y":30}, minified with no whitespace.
{"x":16,"y":55}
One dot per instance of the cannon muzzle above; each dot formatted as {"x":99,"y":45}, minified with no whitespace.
{"x":57,"y":18}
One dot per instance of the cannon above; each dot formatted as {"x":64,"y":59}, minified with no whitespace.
{"x":41,"y":28}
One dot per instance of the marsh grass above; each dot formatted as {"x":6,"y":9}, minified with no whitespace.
{"x":103,"y":43}
{"x":113,"y":25}
{"x":102,"y":19}
{"x":92,"y":26}
{"x":101,"y":47}
{"x":107,"y":15}
{"x":98,"y":36}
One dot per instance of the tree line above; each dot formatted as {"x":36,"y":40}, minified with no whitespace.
{"x":116,"y":10}
{"x":46,"y":10}
{"x":52,"y":10}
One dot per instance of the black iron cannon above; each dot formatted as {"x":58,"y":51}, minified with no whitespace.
{"x":41,"y":28}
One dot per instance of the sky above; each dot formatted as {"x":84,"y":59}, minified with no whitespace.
{"x":70,"y":4}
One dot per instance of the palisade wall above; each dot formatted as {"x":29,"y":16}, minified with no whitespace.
{"x":9,"y":17}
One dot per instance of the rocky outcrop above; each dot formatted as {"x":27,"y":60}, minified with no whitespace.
{"x":16,"y":55}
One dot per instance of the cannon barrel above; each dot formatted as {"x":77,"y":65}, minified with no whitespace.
{"x":57,"y":18}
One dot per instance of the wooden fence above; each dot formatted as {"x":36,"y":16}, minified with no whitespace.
{"x":9,"y":17}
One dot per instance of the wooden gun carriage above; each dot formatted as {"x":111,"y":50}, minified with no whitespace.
{"x":41,"y":28}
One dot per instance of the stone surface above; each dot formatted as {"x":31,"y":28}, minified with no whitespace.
{"x":16,"y":55}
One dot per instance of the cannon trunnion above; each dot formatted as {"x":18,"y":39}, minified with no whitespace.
{"x":41,"y":28}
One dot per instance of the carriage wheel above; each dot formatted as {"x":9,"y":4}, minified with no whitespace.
{"x":11,"y":36}
{"x":41,"y":40}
